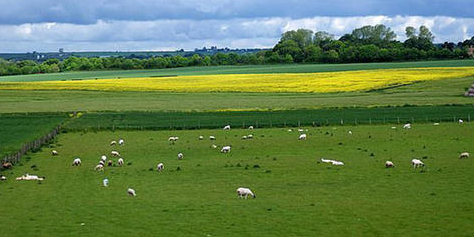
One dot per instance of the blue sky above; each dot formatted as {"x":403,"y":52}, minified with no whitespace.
{"x":46,"y":25}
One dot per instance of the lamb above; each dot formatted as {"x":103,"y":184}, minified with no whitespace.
{"x":389,"y":164}
{"x":212,"y":138}
{"x":435,"y":124}
{"x":464,"y":155}
{"x":131,"y":192}
{"x":180,"y":156}
{"x":302,"y":137}
{"x":120,"y":162}
{"x":225,"y":149}
{"x":417,"y":163}
{"x":99,"y":167}
{"x":160,"y":167}
{"x":115,"y":153}
{"x":7,"y":165}
{"x":173,"y":139}
{"x":245,"y":192}
{"x":76,"y":162}
{"x":105,"y":182}
{"x":300,"y":130}
{"x":461,"y":121}
{"x":407,"y":126}
{"x":250,"y":127}
{"x":54,"y":153}
{"x":121,"y":142}
{"x":227,"y":127}
{"x":2,"y":177}
{"x":30,"y":177}
{"x":110,"y":163}
{"x":113,"y":143}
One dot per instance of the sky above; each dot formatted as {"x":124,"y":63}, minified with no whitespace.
{"x":120,"y":25}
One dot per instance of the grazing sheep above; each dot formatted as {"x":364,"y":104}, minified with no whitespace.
{"x":435,"y":124}
{"x":394,"y":127}
{"x":389,"y":164}
{"x":30,"y":177}
{"x":103,"y":158}
{"x":244,"y":137}
{"x":250,"y":127}
{"x":173,"y":139}
{"x":290,"y":130}
{"x":300,"y":130}
{"x":105,"y":182}
{"x":110,"y":163}
{"x":2,"y":177}
{"x":7,"y":165}
{"x":201,"y":137}
{"x":350,"y":132}
{"x":227,"y":127}
{"x":417,"y":163}
{"x":250,"y":136}
{"x":302,"y":137}
{"x":131,"y":192}
{"x":99,"y":167}
{"x":115,"y":153}
{"x":245,"y":192}
{"x":160,"y":167}
{"x":76,"y":162}
{"x":101,"y":162}
{"x":212,"y":138}
{"x":326,"y":161}
{"x":214,"y":146}
{"x":113,"y":143}
{"x":120,"y":162}
{"x":180,"y":156}
{"x":464,"y":155}
{"x":225,"y":149}
{"x":121,"y":142}
{"x":407,"y":126}
{"x":333,"y":162}
{"x":54,"y":153}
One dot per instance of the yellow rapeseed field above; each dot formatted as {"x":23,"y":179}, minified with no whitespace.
{"x":281,"y":82}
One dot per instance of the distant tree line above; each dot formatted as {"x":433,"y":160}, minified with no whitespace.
{"x":366,"y":44}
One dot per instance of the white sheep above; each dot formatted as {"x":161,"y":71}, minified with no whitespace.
{"x":103,"y":158}
{"x":30,"y":177}
{"x":461,"y":121}
{"x":350,"y":132}
{"x":407,"y":126}
{"x":250,"y":136}
{"x":120,"y":162}
{"x":227,"y":127}
{"x":105,"y":182}
{"x":99,"y":167}
{"x":245,"y":192}
{"x":201,"y":137}
{"x":180,"y":156}
{"x":212,"y":138}
{"x":54,"y":153}
{"x":302,"y":137}
{"x":121,"y":142}
{"x":326,"y":161}
{"x":101,"y":162}
{"x":225,"y":149}
{"x":244,"y":137}
{"x":131,"y":192}
{"x":389,"y":164}
{"x":250,"y":127}
{"x":464,"y":155}
{"x":113,"y":143}
{"x":333,"y":162}
{"x":76,"y":162}
{"x":300,"y":130}
{"x":417,"y":163}
{"x":2,"y":177}
{"x":435,"y":124}
{"x":160,"y":167}
{"x":214,"y":146}
{"x":115,"y":153}
{"x":173,"y":139}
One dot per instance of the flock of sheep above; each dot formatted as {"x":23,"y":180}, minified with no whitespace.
{"x":241,"y":192}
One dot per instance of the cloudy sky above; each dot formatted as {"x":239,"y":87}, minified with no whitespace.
{"x":110,"y":25}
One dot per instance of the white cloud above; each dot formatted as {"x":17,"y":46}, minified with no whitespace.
{"x":189,"y":34}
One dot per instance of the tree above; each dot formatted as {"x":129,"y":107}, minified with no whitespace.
{"x":378,"y":34}
{"x":322,"y":37}
{"x":425,"y":34}
{"x":302,"y":37}
{"x":289,"y":47}
{"x":410,"y":32}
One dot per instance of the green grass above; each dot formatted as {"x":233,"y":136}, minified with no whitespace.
{"x":18,"y":129}
{"x":426,"y":93}
{"x":280,"y":68}
{"x":322,"y":117}
{"x":296,"y":196}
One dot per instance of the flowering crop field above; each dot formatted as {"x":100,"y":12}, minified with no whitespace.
{"x":347,"y":81}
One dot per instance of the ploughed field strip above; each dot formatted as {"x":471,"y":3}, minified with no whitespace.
{"x":347,"y":81}
{"x":297,"y":181}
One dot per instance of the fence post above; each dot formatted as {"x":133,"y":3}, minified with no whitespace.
{"x":469,"y":117}
{"x":299,"y":124}
{"x":370,"y":121}
{"x":398,"y":120}
{"x":342,"y":122}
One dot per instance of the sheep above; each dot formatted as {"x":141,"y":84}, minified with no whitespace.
{"x":103,"y":158}
{"x":302,"y":137}
{"x":250,"y":136}
{"x":54,"y":153}
{"x":113,"y":143}
{"x":244,"y":137}
{"x":389,"y":164}
{"x":214,"y":146}
{"x":417,"y":163}
{"x":120,"y":162}
{"x":325,"y":160}
{"x":131,"y":192}
{"x":99,"y":167}
{"x":245,"y":192}
{"x":394,"y":127}
{"x":225,"y":149}
{"x":105,"y":182}
{"x":3,"y":178}
{"x":110,"y":163}
{"x":160,"y":167}
{"x":180,"y":156}
{"x":350,"y":132}
{"x":407,"y":126}
{"x":76,"y":162}
{"x":290,"y":130}
{"x":173,"y":139}
{"x":435,"y":124}
{"x":227,"y":127}
{"x":7,"y":165}
{"x":464,"y":155}
{"x":300,"y":130}
{"x":201,"y":137}
{"x":115,"y":153}
{"x":461,"y":121}
{"x":212,"y":138}
{"x":101,"y":162}
{"x":333,"y":162}
{"x":121,"y":142}
{"x":250,"y":127}
{"x":30,"y":177}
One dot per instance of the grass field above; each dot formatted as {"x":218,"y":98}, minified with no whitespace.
{"x":282,"y":82}
{"x":296,"y":195}
{"x":18,"y":129}
{"x":256,"y":69}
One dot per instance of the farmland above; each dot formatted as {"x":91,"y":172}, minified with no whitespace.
{"x":361,"y":198}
